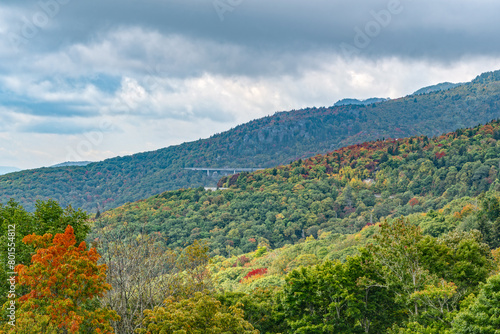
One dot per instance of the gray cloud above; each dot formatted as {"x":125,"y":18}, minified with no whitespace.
{"x":152,"y":65}
{"x":55,"y":127}
{"x":454,"y":27}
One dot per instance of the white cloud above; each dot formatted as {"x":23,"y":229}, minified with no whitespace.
{"x":161,"y":81}
{"x":173,"y":110}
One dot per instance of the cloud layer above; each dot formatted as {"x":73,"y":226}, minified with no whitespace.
{"x":89,"y":80}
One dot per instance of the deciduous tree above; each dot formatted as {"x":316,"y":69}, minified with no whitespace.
{"x":481,"y":315}
{"x":63,"y":280}
{"x":200,"y":314}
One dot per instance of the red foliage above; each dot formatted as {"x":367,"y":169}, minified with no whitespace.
{"x":259,"y":271}
{"x":413,"y":202}
{"x":439,"y":155}
{"x":233,"y":179}
{"x":349,"y":209}
{"x":241,"y":261}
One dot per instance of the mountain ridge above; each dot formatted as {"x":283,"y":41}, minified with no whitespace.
{"x":349,"y":101}
{"x":71,"y":163}
{"x":265,"y":142}
{"x":437,"y":88}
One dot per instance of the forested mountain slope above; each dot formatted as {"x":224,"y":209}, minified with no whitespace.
{"x":340,"y":192}
{"x":265,"y":142}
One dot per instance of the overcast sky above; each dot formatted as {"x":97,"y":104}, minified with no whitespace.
{"x":89,"y":80}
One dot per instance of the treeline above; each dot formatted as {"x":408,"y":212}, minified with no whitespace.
{"x":340,"y":192}
{"x":266,"y":142}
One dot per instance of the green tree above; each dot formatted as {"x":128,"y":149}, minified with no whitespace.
{"x":438,"y":304}
{"x":458,"y":257}
{"x":489,"y":219}
{"x":480,"y":315}
{"x":397,"y":253}
{"x":200,"y":314}
{"x":327,"y":298}
{"x":263,"y":308}
{"x":429,"y":275}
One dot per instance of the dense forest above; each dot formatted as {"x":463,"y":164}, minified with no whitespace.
{"x":266,"y":142}
{"x":340,"y":192}
{"x":314,"y":246}
{"x":429,"y":279}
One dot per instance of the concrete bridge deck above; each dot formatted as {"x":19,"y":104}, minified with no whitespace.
{"x":225,"y":169}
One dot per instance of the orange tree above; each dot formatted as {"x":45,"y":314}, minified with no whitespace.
{"x":64,"y":281}
{"x":48,"y":217}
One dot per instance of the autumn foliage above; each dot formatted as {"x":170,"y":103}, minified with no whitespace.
{"x":254,"y":273}
{"x":64,"y":280}
{"x":413,"y":202}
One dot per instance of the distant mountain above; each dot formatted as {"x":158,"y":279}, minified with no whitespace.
{"x":437,"y":88}
{"x":72,"y":163}
{"x":345,"y":102}
{"x":6,"y":170}
{"x":265,"y":142}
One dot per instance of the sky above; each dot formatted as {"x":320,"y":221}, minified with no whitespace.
{"x":90,"y":80}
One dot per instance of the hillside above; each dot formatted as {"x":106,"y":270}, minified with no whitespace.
{"x":340,"y":192}
{"x":327,"y":246}
{"x":266,"y":142}
{"x":451,"y":265}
